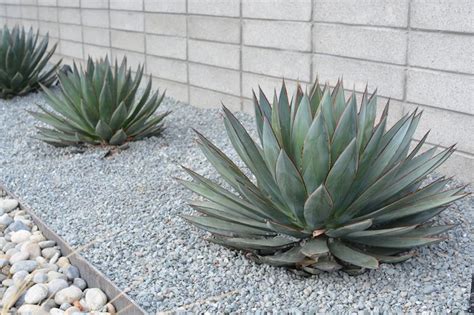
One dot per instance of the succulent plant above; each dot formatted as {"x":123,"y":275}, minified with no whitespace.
{"x":22,"y":61}
{"x":99,"y":106}
{"x":333,"y":189}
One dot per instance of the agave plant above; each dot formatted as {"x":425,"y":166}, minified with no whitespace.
{"x":22,"y":61}
{"x":99,"y":106}
{"x":333,"y":189}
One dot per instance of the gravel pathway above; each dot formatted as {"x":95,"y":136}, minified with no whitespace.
{"x":166,"y":263}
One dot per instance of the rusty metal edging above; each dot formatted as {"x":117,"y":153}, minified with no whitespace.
{"x":93,"y":277}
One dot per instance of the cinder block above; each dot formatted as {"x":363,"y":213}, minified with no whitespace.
{"x":166,"y":46}
{"x":446,"y":128}
{"x":388,"y":79}
{"x":128,"y":40}
{"x":362,"y":12}
{"x":47,"y":2}
{"x":298,"y":10}
{"x":214,"y":7}
{"x":277,"y":34}
{"x":172,"y":89}
{"x":47,"y":14}
{"x":95,"y":4}
{"x":49,"y":27}
{"x":26,"y":2}
{"x":71,"y":49}
{"x":213,"y":28}
{"x":217,"y":54}
{"x":175,"y":6}
{"x":96,"y":35}
{"x":97,"y":18}
{"x":252,"y":82}
{"x":447,"y":15}
{"x":29,"y":12}
{"x":3,"y":10}
{"x":223,"y":80}
{"x":210,"y":99}
{"x":289,"y":65}
{"x":361,"y":42}
{"x":69,"y":16}
{"x":133,"y":59}
{"x":442,"y":51}
{"x":127,"y":20}
{"x":167,"y":68}
{"x":443,"y":90}
{"x":165,"y":24}
{"x":126,"y":5}
{"x":12,"y":22}
{"x":69,"y":3}
{"x":13,"y":11}
{"x":96,"y":52}
{"x":70,"y":32}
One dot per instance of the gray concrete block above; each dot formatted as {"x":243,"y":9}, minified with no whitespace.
{"x":166,"y":46}
{"x":222,"y":80}
{"x":127,"y":20}
{"x":167,"y":68}
{"x":210,"y":99}
{"x":128,"y":40}
{"x":289,"y":65}
{"x":442,"y":51}
{"x":297,"y":10}
{"x":213,"y":28}
{"x":96,"y":35}
{"x":443,"y":90}
{"x":165,"y":24}
{"x":175,"y":6}
{"x":277,"y":34}
{"x":217,"y":54}
{"x":446,"y":15}
{"x":370,"y":43}
{"x":97,"y":18}
{"x":214,"y":7}
{"x":363,"y":12}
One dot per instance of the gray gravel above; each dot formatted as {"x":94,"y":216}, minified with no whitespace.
{"x":166,"y":263}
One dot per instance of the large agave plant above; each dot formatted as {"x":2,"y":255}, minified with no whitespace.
{"x":99,"y":106}
{"x":332,"y":190}
{"x":22,"y":61}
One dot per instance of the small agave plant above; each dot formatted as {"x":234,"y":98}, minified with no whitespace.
{"x":22,"y":61}
{"x":99,"y":106}
{"x":333,"y":189}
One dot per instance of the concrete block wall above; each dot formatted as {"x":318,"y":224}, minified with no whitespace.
{"x":417,"y":52}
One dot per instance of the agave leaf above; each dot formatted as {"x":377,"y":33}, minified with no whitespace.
{"x":343,"y":172}
{"x":346,"y":129}
{"x":284,"y":117}
{"x":291,"y":185}
{"x":347,"y":254}
{"x":288,"y":258}
{"x":119,"y":116}
{"x":302,"y":122}
{"x":318,"y":208}
{"x":381,"y":232}
{"x":327,"y":265}
{"x":397,"y":242}
{"x":103,"y":130}
{"x":350,"y":228}
{"x":225,"y":228}
{"x":273,"y":243}
{"x":429,"y":231}
{"x":316,"y":154}
{"x":288,"y":230}
{"x":315,"y":247}
{"x":271,"y":147}
{"x":118,"y":138}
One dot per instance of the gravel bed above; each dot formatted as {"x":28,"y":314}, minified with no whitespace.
{"x":165,"y":263}
{"x":35,"y":277}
